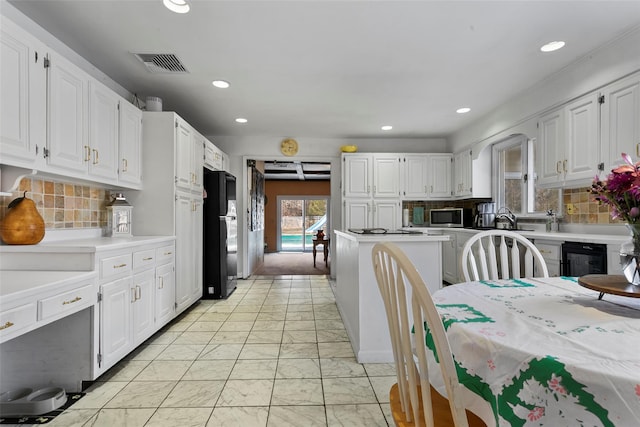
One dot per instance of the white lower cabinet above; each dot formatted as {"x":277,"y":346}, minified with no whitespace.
{"x":189,"y":247}
{"x":137,"y":288}
{"x":551,"y":251}
{"x":450,"y":259}
{"x":115,"y":321}
{"x":363,"y":213}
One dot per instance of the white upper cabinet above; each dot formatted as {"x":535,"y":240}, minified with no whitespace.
{"x":356,"y":175}
{"x":551,"y":138}
{"x":471,"y":176}
{"x":184,"y":141}
{"x":426,"y":176}
{"x":23,"y":83}
{"x":68,"y":146}
{"x":57,"y":119}
{"x":386,"y":175}
{"x":582,"y":139}
{"x":439,"y":176}
{"x":103,"y":131}
{"x":620,"y":114}
{"x":462,"y":174}
{"x":130,"y":144}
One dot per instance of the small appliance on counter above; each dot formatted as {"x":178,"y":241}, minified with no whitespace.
{"x":450,"y":217}
{"x":485,"y":215}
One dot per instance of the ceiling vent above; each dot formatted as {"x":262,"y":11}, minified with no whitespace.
{"x":162,"y":63}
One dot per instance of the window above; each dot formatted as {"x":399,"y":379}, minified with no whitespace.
{"x":514,"y":166}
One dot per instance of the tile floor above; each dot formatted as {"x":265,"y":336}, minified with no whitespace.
{"x":275,"y":353}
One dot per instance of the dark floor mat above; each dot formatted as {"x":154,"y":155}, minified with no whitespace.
{"x":45,"y":418}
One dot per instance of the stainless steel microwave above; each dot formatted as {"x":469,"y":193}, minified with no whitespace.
{"x":451,"y":217}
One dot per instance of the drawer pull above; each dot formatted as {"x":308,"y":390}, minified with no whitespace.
{"x":168,"y":253}
{"x":149,"y":258}
{"x":76,"y":299}
{"x":120,"y":266}
{"x":6,"y":325}
{"x":161,"y":283}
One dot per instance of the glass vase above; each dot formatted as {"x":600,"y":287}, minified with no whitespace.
{"x":630,"y":255}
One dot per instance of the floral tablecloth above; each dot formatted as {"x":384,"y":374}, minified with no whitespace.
{"x":544,"y":352}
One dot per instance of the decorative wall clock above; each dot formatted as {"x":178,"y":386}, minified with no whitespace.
{"x":289,"y":147}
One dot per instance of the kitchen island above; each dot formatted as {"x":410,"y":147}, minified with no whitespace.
{"x":357,"y":294}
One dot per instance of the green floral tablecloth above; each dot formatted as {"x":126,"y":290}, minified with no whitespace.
{"x":545,"y":352}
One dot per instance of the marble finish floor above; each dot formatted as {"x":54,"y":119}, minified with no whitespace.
{"x":275,"y":353}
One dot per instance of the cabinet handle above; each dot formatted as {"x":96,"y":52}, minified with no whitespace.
{"x":425,"y":188}
{"x":168,"y":253}
{"x":87,"y":153}
{"x":558,"y":164}
{"x":120,"y":265}
{"x":138,"y":292}
{"x":638,"y":149}
{"x":161,"y":283}
{"x":125,"y":165}
{"x":76,"y":299}
{"x":149,"y":258}
{"x":96,"y":157}
{"x":432,"y":189}
{"x":564,"y":166}
{"x":6,"y":325}
{"x":133,"y":295}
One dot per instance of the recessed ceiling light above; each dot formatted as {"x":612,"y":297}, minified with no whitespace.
{"x":241,"y":120}
{"x":386,"y":127}
{"x":177,"y":6}
{"x":550,"y":47}
{"x":463,"y":110}
{"x":221,"y":84}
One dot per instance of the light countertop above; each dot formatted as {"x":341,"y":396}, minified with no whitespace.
{"x":92,"y":244}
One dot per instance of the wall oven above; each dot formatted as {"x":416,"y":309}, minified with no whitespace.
{"x":579,"y":259}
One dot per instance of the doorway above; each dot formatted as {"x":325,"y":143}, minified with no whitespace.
{"x":299,"y":219}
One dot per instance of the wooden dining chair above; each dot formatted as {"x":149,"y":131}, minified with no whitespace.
{"x":414,"y":402}
{"x":483,"y":259}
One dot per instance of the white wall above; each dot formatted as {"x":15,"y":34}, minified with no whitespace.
{"x":240,"y":149}
{"x":611,"y":62}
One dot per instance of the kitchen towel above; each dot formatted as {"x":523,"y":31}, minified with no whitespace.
{"x":418,"y":215}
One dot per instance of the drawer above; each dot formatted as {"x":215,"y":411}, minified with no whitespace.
{"x":115,"y":266}
{"x":16,"y":319}
{"x":144,"y":259}
{"x":165,"y":254}
{"x":67,"y":302}
{"x":548,"y":251}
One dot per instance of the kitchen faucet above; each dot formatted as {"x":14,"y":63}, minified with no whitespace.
{"x":506,"y":213}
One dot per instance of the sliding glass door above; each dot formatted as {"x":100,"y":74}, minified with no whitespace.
{"x":300,"y":218}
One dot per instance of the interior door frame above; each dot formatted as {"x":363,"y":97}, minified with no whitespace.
{"x":304,"y":199}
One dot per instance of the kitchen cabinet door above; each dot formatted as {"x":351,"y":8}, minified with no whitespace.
{"x":386,"y":214}
{"x":357,"y":213}
{"x":582,"y":149}
{"x":68,"y":149}
{"x":450,"y":259}
{"x":165,"y":296}
{"x":115,"y":320}
{"x":184,"y":154}
{"x":143,"y":306}
{"x":551,"y":137}
{"x":184,"y":251}
{"x":386,"y":175}
{"x":415,"y":176}
{"x":620,"y":114}
{"x":103,"y":131}
{"x":356,"y":175}
{"x":551,"y":253}
{"x":23,"y":84}
{"x":462,"y":174}
{"x":197,"y":162}
{"x":130,"y":144}
{"x":438,"y":174}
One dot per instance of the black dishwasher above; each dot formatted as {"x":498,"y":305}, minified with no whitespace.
{"x":579,"y":259}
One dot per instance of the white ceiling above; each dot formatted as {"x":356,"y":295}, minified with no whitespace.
{"x":334,"y":68}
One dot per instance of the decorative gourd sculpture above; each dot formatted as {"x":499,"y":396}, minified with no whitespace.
{"x":23,"y":224}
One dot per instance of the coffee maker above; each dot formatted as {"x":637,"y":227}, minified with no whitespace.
{"x":485,"y":215}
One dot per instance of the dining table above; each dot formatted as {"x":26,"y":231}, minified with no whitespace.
{"x":542,"y":352}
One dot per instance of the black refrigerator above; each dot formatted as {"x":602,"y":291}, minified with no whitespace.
{"x":220,"y":238}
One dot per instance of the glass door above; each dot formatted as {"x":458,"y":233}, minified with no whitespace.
{"x":300,"y":218}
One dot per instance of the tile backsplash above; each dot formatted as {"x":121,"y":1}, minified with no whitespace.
{"x":63,"y":205}
{"x":578,"y":208}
